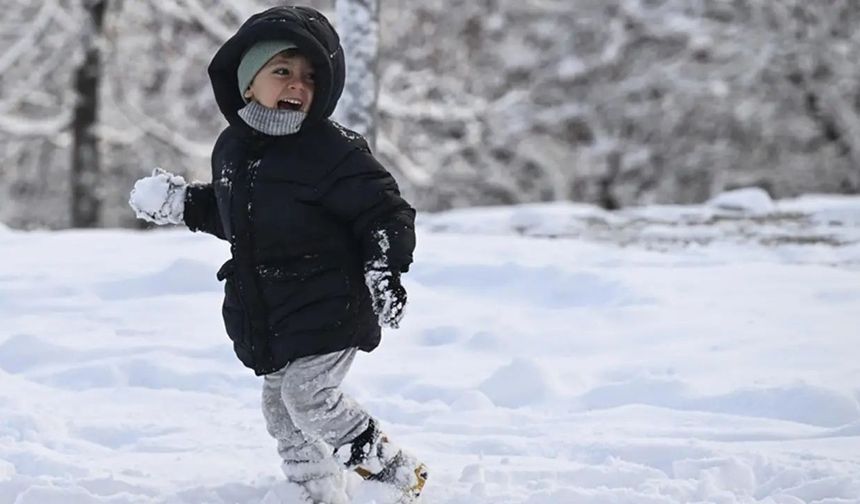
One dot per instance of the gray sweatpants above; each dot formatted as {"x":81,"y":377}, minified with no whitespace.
{"x":308,"y":414}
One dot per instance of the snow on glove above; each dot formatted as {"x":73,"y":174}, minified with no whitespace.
{"x":159,"y":198}
{"x":388,"y":296}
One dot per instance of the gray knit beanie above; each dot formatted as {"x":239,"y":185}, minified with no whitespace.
{"x":256,"y":58}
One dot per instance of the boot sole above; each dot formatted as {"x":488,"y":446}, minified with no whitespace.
{"x":421,"y":474}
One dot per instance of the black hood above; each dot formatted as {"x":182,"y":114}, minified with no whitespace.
{"x":305,"y":27}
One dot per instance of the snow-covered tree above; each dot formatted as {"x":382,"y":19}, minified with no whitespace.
{"x":86,"y":156}
{"x":358,"y":23}
{"x":41,"y":49}
{"x":615,"y":102}
{"x":619,"y":102}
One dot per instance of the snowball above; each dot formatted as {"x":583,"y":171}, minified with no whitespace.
{"x":159,"y":198}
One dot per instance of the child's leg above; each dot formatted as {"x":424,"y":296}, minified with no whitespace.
{"x":307,"y":460}
{"x":293,"y":444}
{"x":310,"y":389}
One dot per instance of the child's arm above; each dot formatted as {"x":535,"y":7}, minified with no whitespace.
{"x":164,"y":198}
{"x":201,"y":210}
{"x":364,"y":195}
{"x":201,"y":205}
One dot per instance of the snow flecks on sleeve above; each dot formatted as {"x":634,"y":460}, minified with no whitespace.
{"x":380,"y":262}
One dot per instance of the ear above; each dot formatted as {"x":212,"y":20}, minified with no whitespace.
{"x":248,"y":94}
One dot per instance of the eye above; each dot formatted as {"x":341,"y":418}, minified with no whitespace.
{"x":311,"y":77}
{"x":281,"y":71}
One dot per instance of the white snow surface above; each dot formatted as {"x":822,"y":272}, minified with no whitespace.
{"x":551,"y":354}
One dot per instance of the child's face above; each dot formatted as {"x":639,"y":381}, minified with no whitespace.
{"x":285,"y":82}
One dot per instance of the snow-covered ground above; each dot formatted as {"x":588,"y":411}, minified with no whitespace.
{"x":551,"y":354}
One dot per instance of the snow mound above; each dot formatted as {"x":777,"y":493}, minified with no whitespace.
{"x":797,"y":402}
{"x":740,"y":217}
{"x":749,"y":199}
{"x":518,"y":384}
{"x":826,"y":208}
{"x":183,"y":276}
{"x":471,"y":400}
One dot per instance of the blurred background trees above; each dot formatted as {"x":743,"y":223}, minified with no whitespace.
{"x":612,"y":102}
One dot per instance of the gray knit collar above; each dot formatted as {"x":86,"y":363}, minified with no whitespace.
{"x":275,"y":122}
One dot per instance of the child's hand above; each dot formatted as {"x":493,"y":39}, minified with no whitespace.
{"x":388,"y":295}
{"x":159,"y":198}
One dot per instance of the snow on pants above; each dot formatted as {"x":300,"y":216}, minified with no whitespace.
{"x":308,"y":414}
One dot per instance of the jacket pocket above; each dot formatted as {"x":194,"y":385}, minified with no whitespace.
{"x":235,"y":318}
{"x":227,"y":269}
{"x":307,"y":296}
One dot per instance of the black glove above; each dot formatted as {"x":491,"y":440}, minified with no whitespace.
{"x":388,"y":295}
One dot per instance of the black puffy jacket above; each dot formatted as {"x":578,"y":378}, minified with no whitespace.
{"x":301,"y":212}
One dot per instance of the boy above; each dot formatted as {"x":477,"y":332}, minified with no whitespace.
{"x":319,"y":236}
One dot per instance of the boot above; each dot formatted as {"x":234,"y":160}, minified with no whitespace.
{"x":373,"y":457}
{"x":321,"y":482}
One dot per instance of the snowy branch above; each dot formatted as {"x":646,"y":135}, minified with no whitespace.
{"x":29,"y":36}
{"x":415,"y":175}
{"x":25,"y":126}
{"x":212,"y":24}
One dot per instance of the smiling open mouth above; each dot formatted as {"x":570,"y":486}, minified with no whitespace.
{"x":289,"y":104}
